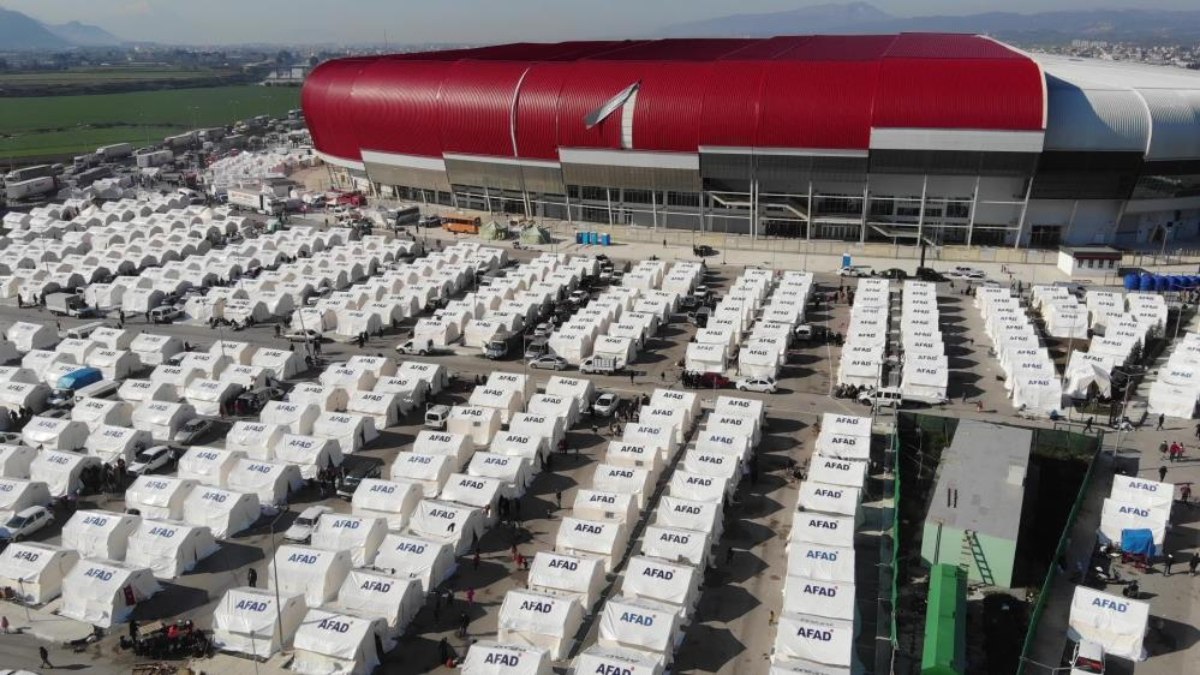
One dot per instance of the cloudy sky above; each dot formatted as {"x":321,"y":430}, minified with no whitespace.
{"x":483,"y":21}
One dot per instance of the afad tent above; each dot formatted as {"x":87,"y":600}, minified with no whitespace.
{"x":223,"y":512}
{"x":159,"y":497}
{"x":640,"y":623}
{"x":679,"y":545}
{"x":570,"y":576}
{"x":169,"y":549}
{"x":17,"y":494}
{"x":821,"y":562}
{"x":54,"y":434}
{"x":61,"y":471}
{"x":271,"y":481}
{"x":452,"y":523}
{"x":456,"y":446}
{"x":479,"y":424}
{"x":352,"y":432}
{"x":358,"y":535}
{"x":600,"y":659}
{"x":99,"y":592}
{"x":313,"y":572}
{"x":1117,"y":623}
{"x":35,"y":571}
{"x":256,"y":440}
{"x":309,"y":454}
{"x":514,"y":472}
{"x":662,"y":581}
{"x":97,"y":412}
{"x":247,"y":621}
{"x":207,"y":466}
{"x":493,"y":658}
{"x":99,"y":534}
{"x":804,"y":637}
{"x":407,"y":557}
{"x":605,"y":540}
{"x":474,"y":491}
{"x":15,"y":460}
{"x":294,"y":418}
{"x":626,"y":479}
{"x":430,"y":472}
{"x":110,"y":443}
{"x":539,"y":620}
{"x":370,"y":593}
{"x":830,"y":599}
{"x":332,"y":642}
{"x":620,"y":507}
{"x":393,"y":501}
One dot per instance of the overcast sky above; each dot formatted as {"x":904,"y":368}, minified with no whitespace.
{"x":475,"y":21}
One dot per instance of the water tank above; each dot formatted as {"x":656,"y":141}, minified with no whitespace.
{"x":1146,"y":283}
{"x":1160,"y":283}
{"x":1131,"y":282}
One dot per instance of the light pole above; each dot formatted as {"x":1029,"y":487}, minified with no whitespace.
{"x":275,"y":578}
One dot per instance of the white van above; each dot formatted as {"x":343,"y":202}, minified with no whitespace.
{"x":84,"y":331}
{"x":102,"y":389}
{"x":436,"y":416}
{"x":885,"y":397}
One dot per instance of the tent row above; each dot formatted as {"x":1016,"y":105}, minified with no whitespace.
{"x":865,"y":344}
{"x":926,"y":371}
{"x":770,"y":314}
{"x":1030,"y":376}
{"x":1175,"y":390}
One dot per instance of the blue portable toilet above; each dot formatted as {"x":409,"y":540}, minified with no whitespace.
{"x":578,"y":237}
{"x":846,"y":260}
{"x":1146,"y":283}
{"x":78,"y":379}
{"x":1160,"y":282}
{"x":592,"y":238}
{"x":1131,"y":282}
{"x":606,"y":239}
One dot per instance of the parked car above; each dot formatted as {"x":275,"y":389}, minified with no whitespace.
{"x":195,"y":430}
{"x":252,"y":402}
{"x":436,"y":416}
{"x":764,"y":385}
{"x":25,"y":522}
{"x":857,"y":271}
{"x":894,"y":273}
{"x":929,"y":274}
{"x":302,"y":528}
{"x":165,"y":313}
{"x":694,"y":380}
{"x":355,"y":475}
{"x":579,"y":298}
{"x":153,"y":459}
{"x":549,"y":362}
{"x":885,"y":397}
{"x":537,"y":348}
{"x":543,"y":330}
{"x":965,"y":272}
{"x":606,"y":404}
{"x":1087,"y":659}
{"x":309,"y":335}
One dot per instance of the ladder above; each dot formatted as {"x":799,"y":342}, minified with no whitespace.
{"x":971,"y":555}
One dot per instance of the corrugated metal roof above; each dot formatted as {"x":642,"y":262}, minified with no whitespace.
{"x":1084,"y":117}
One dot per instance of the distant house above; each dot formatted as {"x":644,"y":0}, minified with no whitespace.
{"x":287,"y":76}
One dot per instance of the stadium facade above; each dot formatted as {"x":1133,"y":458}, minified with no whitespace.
{"x":955,"y":139}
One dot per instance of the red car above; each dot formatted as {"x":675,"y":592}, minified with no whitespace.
{"x":693,"y":380}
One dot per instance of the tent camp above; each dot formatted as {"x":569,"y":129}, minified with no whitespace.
{"x":475,"y":491}
{"x":99,"y":534}
{"x":137,"y":390}
{"x":316,"y":573}
{"x":325,"y":398}
{"x":99,"y":592}
{"x":605,"y":539}
{"x":630,"y":480}
{"x":456,"y":446}
{"x":282,"y":363}
{"x":580,"y":389}
{"x":804,"y":637}
{"x":158,"y":497}
{"x":207,"y":466}
{"x":830,"y":499}
{"x":114,"y":364}
{"x":309,"y":454}
{"x":18,"y":494}
{"x":223,"y":512}
{"x":833,"y":471}
{"x":256,"y":440}
{"x":1117,"y":623}
{"x":515,"y":473}
{"x":394,"y":501}
{"x":540,"y":620}
{"x":152,"y":350}
{"x":331,"y":642}
{"x":371,"y":593}
{"x":271,"y":481}
{"x":161,"y":418}
{"x":507,"y":401}
{"x":359,"y":535}
{"x":479,"y":424}
{"x":1118,"y":517}
{"x":408,"y":557}
{"x":452,"y":523}
{"x":821,"y":562}
{"x":592,"y":504}
{"x":433,"y":374}
{"x":97,"y":412}
{"x":15,"y":460}
{"x":662,"y":581}
{"x":427,"y":471}
{"x":564,"y":408}
{"x":844,"y":437}
{"x":698,"y":486}
{"x":294,"y":418}
{"x":211,"y":397}
{"x":599,"y":659}
{"x":579,"y":577}
{"x":678,"y":545}
{"x":635,"y":455}
{"x":54,"y":434}
{"x":62,"y":472}
{"x":1142,"y":491}
{"x":169,"y":549}
{"x":411,"y":391}
{"x":352,"y":432}
{"x":349,"y":378}
{"x":35,"y":571}
{"x":690,"y":514}
{"x":641,"y":623}
{"x":493,"y":658}
{"x":247,"y":621}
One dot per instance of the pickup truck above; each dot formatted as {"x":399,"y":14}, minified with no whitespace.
{"x":599,"y":365}
{"x":67,"y":304}
{"x":422,"y":348}
{"x":501,"y":345}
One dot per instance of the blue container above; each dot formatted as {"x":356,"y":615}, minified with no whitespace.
{"x":1146,"y":283}
{"x":591,"y":238}
{"x":578,"y":237}
{"x":1160,"y":283}
{"x":1131,"y":282}
{"x":606,"y":240}
{"x":78,"y":379}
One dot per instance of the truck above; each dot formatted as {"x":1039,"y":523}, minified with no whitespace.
{"x":255,"y":200}
{"x":28,"y":173}
{"x":420,"y":348}
{"x":114,"y":151}
{"x":155,"y":158}
{"x":67,"y":304}
{"x":502,"y":345}
{"x":33,"y":187}
{"x":599,"y":365}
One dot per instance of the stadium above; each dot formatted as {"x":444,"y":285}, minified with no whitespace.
{"x":950,"y":139}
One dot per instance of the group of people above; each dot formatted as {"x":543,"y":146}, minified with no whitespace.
{"x":18,"y":418}
{"x":1172,"y":452}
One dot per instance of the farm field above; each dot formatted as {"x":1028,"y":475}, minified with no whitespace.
{"x":61,"y":125}
{"x":101,"y":76}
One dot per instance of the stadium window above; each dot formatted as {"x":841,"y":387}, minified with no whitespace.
{"x":592,"y":214}
{"x":638,"y":196}
{"x":592,"y":193}
{"x":573,"y":191}
{"x":958,"y":210}
{"x":683,"y":199}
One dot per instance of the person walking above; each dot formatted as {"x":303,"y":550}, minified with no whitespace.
{"x":45,"y":656}
{"x":1161,"y":418}
{"x":4,"y":624}
{"x":475,"y":562}
{"x":1167,"y":565}
{"x":443,"y":652}
{"x":252,"y":578}
{"x":1194,"y":562}
{"x":464,"y":624}
{"x":630,"y":377}
{"x":1162,"y":474}
{"x":1088,"y":427}
{"x":1163,"y":449}
{"x":1185,"y":494}
{"x":558,"y":499}
{"x":470,"y":596}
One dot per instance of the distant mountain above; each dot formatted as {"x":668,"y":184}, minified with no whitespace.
{"x":863,"y":18}
{"x":21,"y":33}
{"x":84,"y":35}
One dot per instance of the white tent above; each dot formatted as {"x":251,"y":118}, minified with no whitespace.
{"x":845,"y":437}
{"x":514,"y":472}
{"x":700,"y":487}
{"x":410,"y":390}
{"x":837,"y":500}
{"x":565,"y":408}
{"x":282,"y":363}
{"x":295,"y":418}
{"x":161,"y":418}
{"x":210,"y":397}
{"x":640,"y":623}
{"x":309,"y":454}
{"x":256,"y":440}
{"x":665,"y":437}
{"x":678,"y":545}
{"x":507,"y":401}
{"x":428,"y":471}
{"x":177,"y":376}
{"x":452,"y":523}
{"x":409,"y":557}
{"x":827,"y":641}
{"x":359,"y":535}
{"x":159,"y":497}
{"x":169,"y":549}
{"x":603,"y":539}
{"x":384,"y":408}
{"x":96,"y":592}
{"x":137,"y":390}
{"x":114,"y":364}
{"x":1117,"y":516}
{"x":247,"y":621}
{"x":662,"y":581}
{"x":271,"y":481}
{"x":493,"y":658}
{"x":581,"y":389}
{"x":456,"y":446}
{"x":720,"y":465}
{"x":550,"y":427}
{"x":834,"y":471}
{"x":60,"y":471}
{"x":475,"y":491}
{"x":820,"y":528}
{"x":1142,"y":491}
{"x":631,"y":480}
{"x":749,"y":427}
{"x":349,"y":378}
{"x":207,"y":466}
{"x":1116,"y":623}
{"x":223,"y":512}
{"x":821,"y":562}
{"x":313,"y":572}
{"x":15,"y":460}
{"x":540,"y":620}
{"x":371,"y":593}
{"x":330,"y":642}
{"x":240,"y":353}
{"x":152,"y":349}
{"x":31,"y":396}
{"x":705,"y":357}
{"x":352,"y":432}
{"x":211,"y":365}
{"x":54,"y":434}
{"x":99,"y":534}
{"x":325,"y":398}
{"x":17,"y":494}
{"x":35,"y":571}
{"x":830,"y":599}
{"x":522,"y":384}
{"x":590,"y":504}
{"x":27,"y":336}
{"x":433,"y":374}
{"x":477,"y":423}
{"x":636,"y":455}
{"x":599,"y":659}
{"x":718,"y":441}
{"x":579,"y":577}
{"x":394,"y":501}
{"x":689,"y":514}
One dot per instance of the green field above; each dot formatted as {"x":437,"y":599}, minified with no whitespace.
{"x":99,"y":76}
{"x":62,"y":125}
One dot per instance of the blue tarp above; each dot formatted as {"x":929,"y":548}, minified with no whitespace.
{"x":78,"y":379}
{"x":1138,"y":542}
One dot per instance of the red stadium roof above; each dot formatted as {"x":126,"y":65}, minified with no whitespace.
{"x":529,"y":100}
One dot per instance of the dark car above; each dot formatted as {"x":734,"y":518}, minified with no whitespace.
{"x":894,"y":273}
{"x":929,"y":274}
{"x":355,"y":475}
{"x":252,"y":402}
{"x":195,"y":430}
{"x":704,"y":250}
{"x":693,"y":380}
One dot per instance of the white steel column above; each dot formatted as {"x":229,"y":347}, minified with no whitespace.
{"x":862,"y":230}
{"x":654,"y":207}
{"x":1024,"y":212}
{"x":921,"y":212}
{"x":608,"y":198}
{"x":809,"y":225}
{"x":971,"y":216}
